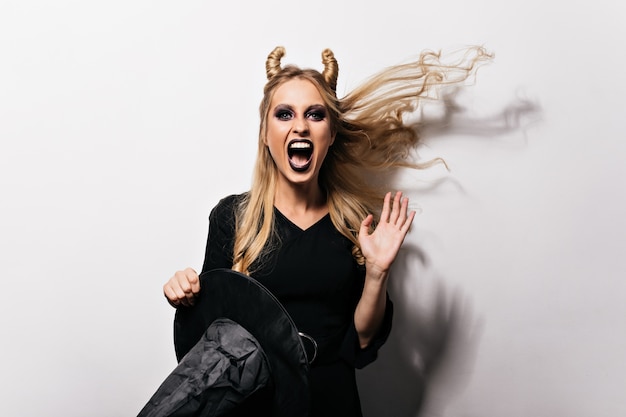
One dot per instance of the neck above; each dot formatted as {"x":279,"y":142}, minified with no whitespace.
{"x":299,"y":198}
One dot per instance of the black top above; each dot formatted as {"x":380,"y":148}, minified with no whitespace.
{"x":313,"y":274}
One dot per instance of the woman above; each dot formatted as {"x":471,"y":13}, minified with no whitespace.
{"x":306,"y":229}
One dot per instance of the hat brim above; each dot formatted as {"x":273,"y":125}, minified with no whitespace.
{"x":242,"y":299}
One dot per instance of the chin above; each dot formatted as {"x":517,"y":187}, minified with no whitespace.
{"x":302,"y":178}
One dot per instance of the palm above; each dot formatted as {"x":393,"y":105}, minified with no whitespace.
{"x":381,"y":247}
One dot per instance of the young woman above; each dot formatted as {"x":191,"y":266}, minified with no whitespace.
{"x":313,"y":228}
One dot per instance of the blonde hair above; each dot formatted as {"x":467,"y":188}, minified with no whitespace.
{"x":372,"y":136}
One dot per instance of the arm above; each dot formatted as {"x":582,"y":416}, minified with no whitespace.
{"x":380,"y":249}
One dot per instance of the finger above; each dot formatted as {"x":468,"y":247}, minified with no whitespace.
{"x":176,"y":295}
{"x":178,"y":291}
{"x":186,"y":286}
{"x":170,"y":295}
{"x":184,"y":297}
{"x":183,"y":279}
{"x":365,"y":225}
{"x":407,"y":224}
{"x":395,"y":208}
{"x":179,"y":285}
{"x":194,"y":280}
{"x":403,"y":210}
{"x":384,"y":214}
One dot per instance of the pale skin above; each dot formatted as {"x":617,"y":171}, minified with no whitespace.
{"x":297,"y":112}
{"x":380,"y":249}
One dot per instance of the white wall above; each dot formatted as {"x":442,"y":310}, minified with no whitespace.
{"x":123,"y":122}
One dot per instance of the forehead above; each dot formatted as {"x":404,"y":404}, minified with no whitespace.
{"x":297,"y":91}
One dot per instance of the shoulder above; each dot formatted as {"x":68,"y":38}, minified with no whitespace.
{"x":227,"y":206}
{"x":231,"y":200}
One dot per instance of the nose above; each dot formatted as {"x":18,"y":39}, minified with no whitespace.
{"x":301,"y":126}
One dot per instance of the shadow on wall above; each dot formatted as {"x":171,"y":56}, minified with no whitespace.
{"x":429,"y":357}
{"x":433,"y":342}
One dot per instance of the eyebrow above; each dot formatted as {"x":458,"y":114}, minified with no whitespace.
{"x":290,"y":107}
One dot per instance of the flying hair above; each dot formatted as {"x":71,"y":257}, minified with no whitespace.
{"x":372,"y":138}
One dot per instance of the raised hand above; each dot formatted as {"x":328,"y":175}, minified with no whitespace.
{"x":381,"y":247}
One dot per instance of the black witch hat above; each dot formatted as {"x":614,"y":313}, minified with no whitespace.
{"x":239,"y":353}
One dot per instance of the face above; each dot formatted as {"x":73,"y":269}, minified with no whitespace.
{"x":298,"y":132}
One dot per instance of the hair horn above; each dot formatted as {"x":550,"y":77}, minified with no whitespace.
{"x":331,"y":68}
{"x":272,"y":65}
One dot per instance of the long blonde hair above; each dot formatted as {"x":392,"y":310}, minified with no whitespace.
{"x":372,"y":137}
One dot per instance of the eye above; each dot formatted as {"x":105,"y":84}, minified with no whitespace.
{"x":283,"y":114}
{"x":316,"y":115}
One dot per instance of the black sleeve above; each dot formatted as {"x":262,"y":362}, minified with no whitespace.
{"x":351,"y":350}
{"x":221,"y":237}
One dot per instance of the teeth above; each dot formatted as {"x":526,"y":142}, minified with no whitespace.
{"x":300,"y":145}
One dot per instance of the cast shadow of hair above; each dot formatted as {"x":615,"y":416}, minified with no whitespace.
{"x":429,"y":356}
{"x":431,"y":346}
{"x":515,"y":117}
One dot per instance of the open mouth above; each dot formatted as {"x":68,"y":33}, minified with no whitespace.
{"x":300,"y":153}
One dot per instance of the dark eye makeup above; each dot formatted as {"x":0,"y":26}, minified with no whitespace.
{"x":315,"y":112}
{"x":283,"y":113}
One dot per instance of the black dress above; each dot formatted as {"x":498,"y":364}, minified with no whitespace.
{"x":313,"y":274}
